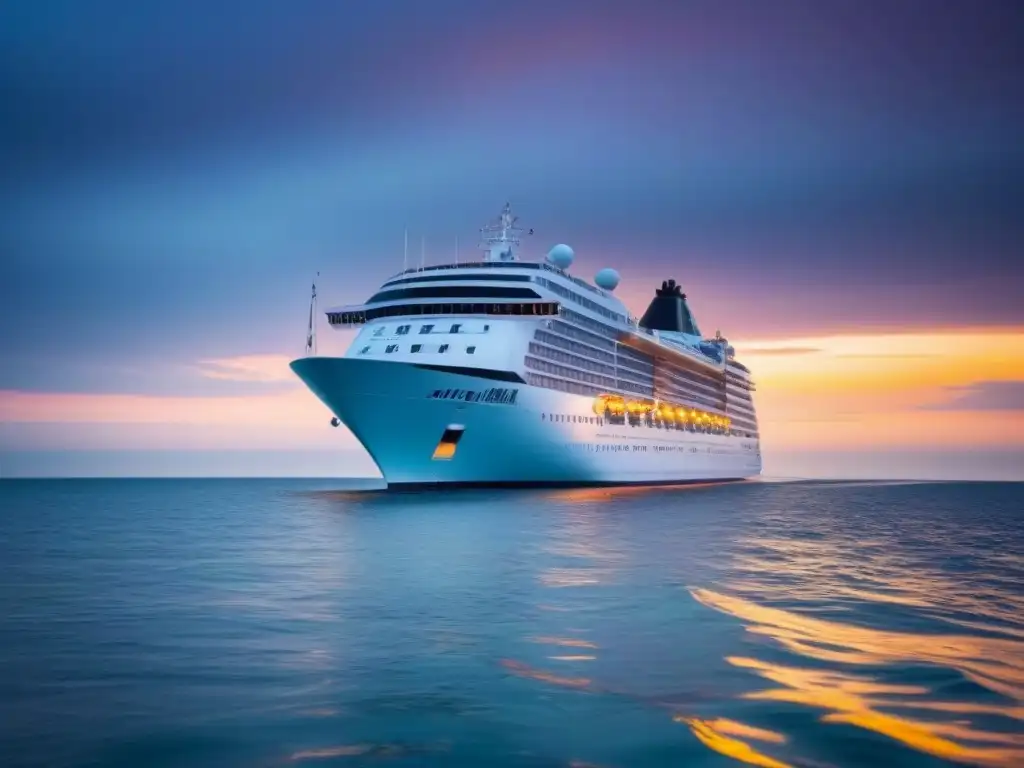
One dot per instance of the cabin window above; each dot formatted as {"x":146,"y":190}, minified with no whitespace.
{"x":379,"y":331}
{"x":364,"y":350}
{"x":443,"y":348}
{"x":487,"y":328}
{"x":426,"y":328}
{"x":416,"y":347}
{"x":403,"y":329}
{"x":470,"y":350}
{"x":391,"y":348}
{"x":456,"y":327}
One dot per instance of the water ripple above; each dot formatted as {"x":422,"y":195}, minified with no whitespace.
{"x":277,"y":623}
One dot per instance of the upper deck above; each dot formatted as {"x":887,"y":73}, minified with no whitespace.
{"x":502,"y":284}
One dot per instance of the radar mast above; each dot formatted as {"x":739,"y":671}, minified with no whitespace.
{"x":500,"y":239}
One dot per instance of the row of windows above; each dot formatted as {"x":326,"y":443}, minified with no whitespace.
{"x":642,"y":370}
{"x":739,"y":390}
{"x":358,"y":317}
{"x":573,"y":418}
{"x":593,"y":306}
{"x":688,"y":397}
{"x":455,"y":292}
{"x":685,"y":373}
{"x":571,"y":331}
{"x":744,"y":385}
{"x":478,"y":265}
{"x":572,"y":387}
{"x":743,"y":405}
{"x":415,"y":349}
{"x":605,"y":333}
{"x":582,"y":364}
{"x":571,"y":374}
{"x":403,"y":330}
{"x":675,"y":390}
{"x":606,"y":381}
{"x":459,"y":278}
{"x":741,"y":419}
{"x":616,"y":349}
{"x":587,"y":322}
{"x":741,"y":422}
{"x":697,"y":387}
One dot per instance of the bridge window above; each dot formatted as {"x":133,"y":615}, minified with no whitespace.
{"x":470,"y":350}
{"x":364,"y":350}
{"x":443,"y":348}
{"x":379,"y":331}
{"x":416,"y":348}
{"x":426,"y":328}
{"x":456,"y":328}
{"x":391,"y":348}
{"x":403,"y":329}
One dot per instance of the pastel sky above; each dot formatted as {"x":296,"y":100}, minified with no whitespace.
{"x":839,"y":187}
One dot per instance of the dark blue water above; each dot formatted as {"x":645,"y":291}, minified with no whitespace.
{"x":277,"y":623}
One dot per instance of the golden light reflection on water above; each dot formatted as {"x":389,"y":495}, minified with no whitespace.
{"x":854,"y":697}
{"x":611,"y":493}
{"x":719,"y":735}
{"x":520,"y":669}
{"x":581,"y":541}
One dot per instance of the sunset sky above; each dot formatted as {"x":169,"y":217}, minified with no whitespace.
{"x":839,"y":189}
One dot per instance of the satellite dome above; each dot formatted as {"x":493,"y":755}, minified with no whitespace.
{"x":607,"y":278}
{"x":561,"y":256}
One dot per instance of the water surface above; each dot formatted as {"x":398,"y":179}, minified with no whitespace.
{"x":289,"y":623}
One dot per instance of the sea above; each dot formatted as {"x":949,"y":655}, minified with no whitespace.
{"x":272,"y":623}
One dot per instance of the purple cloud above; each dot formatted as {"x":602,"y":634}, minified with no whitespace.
{"x":984,"y":396}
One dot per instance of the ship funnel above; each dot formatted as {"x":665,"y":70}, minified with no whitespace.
{"x":668,"y":311}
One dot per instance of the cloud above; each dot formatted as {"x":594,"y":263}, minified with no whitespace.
{"x":262,"y":368}
{"x":983,"y":396}
{"x":885,"y":355}
{"x":781,"y":350}
{"x":279,"y":408}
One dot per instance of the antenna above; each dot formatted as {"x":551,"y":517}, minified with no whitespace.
{"x":456,"y":249}
{"x":423,"y":250}
{"x":405,"y":253}
{"x":311,"y":330}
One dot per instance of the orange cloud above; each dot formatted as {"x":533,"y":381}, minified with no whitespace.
{"x":859,"y":391}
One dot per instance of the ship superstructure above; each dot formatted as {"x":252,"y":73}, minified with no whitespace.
{"x":503,"y":371}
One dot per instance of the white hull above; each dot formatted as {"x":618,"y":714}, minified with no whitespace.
{"x":395,"y":411}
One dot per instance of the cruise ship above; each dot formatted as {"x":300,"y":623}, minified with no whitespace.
{"x":503,"y":371}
